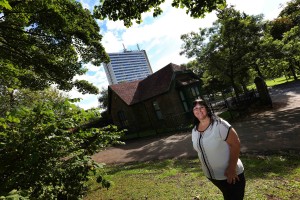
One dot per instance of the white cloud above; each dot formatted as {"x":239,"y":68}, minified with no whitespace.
{"x":88,"y":101}
{"x":115,"y":25}
{"x":170,"y":25}
{"x":111,"y":42}
{"x":270,"y":8}
{"x":162,"y":36}
{"x":91,"y":67}
{"x":85,"y":4}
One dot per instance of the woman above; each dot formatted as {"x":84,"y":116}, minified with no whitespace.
{"x":218,"y":148}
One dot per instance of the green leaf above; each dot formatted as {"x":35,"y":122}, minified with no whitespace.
{"x":51,"y":41}
{"x":42,"y":128}
{"x":5,"y":4}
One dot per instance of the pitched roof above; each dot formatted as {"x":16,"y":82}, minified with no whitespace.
{"x":125,"y":90}
{"x":155,"y":84}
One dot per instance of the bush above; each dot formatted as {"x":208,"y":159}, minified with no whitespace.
{"x":45,"y":150}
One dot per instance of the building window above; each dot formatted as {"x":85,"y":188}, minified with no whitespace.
{"x":123,"y":120}
{"x":157,"y":110}
{"x":183,"y":100}
{"x":194,"y":91}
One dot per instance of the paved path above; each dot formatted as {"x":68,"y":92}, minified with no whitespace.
{"x":276,"y":129}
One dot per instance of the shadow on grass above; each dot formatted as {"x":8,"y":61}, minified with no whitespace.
{"x":256,"y":166}
{"x":276,"y":131}
{"x":264,"y":166}
{"x":182,"y":165}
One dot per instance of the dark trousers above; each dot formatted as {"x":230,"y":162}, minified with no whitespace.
{"x":231,"y":191}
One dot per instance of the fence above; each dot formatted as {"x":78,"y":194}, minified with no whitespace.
{"x":232,"y":104}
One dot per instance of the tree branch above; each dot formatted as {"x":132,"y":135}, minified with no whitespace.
{"x":30,"y":33}
{"x":12,"y":49}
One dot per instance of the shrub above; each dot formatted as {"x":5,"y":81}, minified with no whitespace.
{"x":45,"y":150}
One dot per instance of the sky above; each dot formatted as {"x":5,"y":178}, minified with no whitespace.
{"x":159,"y":37}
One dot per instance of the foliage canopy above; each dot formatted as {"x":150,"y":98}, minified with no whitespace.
{"x":45,"y":42}
{"x":224,"y":49}
{"x":46,"y":145}
{"x":129,"y":10}
{"x":103,"y":98}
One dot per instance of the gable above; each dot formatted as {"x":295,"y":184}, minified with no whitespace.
{"x":125,"y":91}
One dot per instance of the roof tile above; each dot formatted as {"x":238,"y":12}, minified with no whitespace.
{"x":155,"y":84}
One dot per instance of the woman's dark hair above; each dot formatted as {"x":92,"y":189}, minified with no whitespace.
{"x":208,"y":109}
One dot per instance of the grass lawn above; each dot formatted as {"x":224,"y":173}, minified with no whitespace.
{"x":279,"y":81}
{"x":276,"y":81}
{"x":272,"y":177}
{"x":268,"y":177}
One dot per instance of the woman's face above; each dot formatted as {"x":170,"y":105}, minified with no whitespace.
{"x":200,"y":111}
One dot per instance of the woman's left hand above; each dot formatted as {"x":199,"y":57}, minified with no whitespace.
{"x":231,"y":175}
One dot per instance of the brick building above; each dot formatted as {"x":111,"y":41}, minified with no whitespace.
{"x":160,"y":102}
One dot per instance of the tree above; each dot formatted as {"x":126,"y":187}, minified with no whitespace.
{"x":129,"y":10}
{"x":291,"y":37}
{"x":46,"y":142}
{"x":265,"y":60}
{"x":25,"y":97}
{"x":208,"y":83}
{"x":287,"y":19}
{"x":279,"y":26}
{"x":224,"y":48}
{"x":46,"y":42}
{"x":291,"y":49}
{"x":195,"y":67}
{"x":292,"y":11}
{"x":46,"y":146}
{"x":286,"y":29}
{"x":103,"y":99}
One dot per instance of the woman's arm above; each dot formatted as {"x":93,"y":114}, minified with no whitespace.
{"x":234,"y":148}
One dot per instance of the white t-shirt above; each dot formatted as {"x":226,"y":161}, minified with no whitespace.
{"x":213,"y":150}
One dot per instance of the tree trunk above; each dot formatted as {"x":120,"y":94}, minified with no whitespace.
{"x":11,"y":100}
{"x":256,"y":68}
{"x":297,"y":65}
{"x":236,"y":90}
{"x":245,"y":89}
{"x":292,"y":69}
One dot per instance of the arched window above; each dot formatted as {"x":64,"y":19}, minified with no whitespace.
{"x":194,"y":91}
{"x":157,"y":110}
{"x":183,"y":100}
{"x":123,"y":119}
